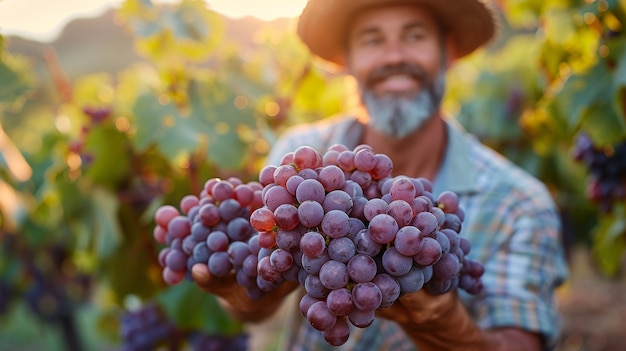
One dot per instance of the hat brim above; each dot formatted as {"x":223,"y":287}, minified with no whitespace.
{"x":323,"y":24}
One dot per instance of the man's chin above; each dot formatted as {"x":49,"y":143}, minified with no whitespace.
{"x":398,"y":117}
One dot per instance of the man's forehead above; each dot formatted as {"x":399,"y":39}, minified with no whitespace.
{"x":398,"y":15}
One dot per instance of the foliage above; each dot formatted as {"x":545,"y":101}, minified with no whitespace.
{"x":556,"y":72}
{"x":76,"y":212}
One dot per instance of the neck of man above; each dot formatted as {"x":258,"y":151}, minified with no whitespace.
{"x":418,"y":154}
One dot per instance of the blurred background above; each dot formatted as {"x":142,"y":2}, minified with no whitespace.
{"x":110,"y":109}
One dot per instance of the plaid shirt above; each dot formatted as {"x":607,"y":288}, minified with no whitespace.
{"x":510,"y":220}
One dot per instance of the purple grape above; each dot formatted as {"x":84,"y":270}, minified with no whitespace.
{"x":366,"y":296}
{"x":341,"y":249}
{"x":409,"y":241}
{"x":310,"y":213}
{"x":288,"y":240}
{"x":411,"y":281}
{"x":361,"y":319}
{"x":310,"y":190}
{"x":430,"y":252}
{"x":364,"y":243}
{"x":312,"y":244}
{"x":401,"y":211}
{"x":286,"y":216}
{"x":314,"y":287}
{"x":320,"y":317}
{"x":396,"y":263}
{"x":338,"y":200}
{"x":331,"y":177}
{"x":402,"y":188}
{"x":374,"y":207}
{"x":361,"y":268}
{"x":383,"y":228}
{"x":281,"y":260}
{"x":426,"y":222}
{"x":389,"y":288}
{"x":335,"y":224}
{"x":219,"y":264}
{"x":305,"y":302}
{"x":339,"y":302}
{"x":333,"y":275}
{"x":176,"y":260}
{"x":313,"y":264}
{"x":338,"y":334}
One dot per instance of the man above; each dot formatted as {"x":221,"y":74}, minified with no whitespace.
{"x":398,"y":52}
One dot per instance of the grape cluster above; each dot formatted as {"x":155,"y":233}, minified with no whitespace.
{"x":357,"y":238}
{"x":214,"y":229}
{"x":607,"y":171}
{"x":146,"y":329}
{"x":210,"y":342}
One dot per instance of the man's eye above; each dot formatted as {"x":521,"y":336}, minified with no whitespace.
{"x":371,"y":41}
{"x":415,"y":36}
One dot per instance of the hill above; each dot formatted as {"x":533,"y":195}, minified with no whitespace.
{"x":99,"y":44}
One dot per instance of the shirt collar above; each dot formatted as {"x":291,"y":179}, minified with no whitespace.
{"x":457,"y":173}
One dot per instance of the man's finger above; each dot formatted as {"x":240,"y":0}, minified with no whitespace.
{"x":200,"y":274}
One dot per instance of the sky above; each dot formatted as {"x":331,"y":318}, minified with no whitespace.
{"x":44,"y":19}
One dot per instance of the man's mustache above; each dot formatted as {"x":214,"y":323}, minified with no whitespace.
{"x":384,"y":72}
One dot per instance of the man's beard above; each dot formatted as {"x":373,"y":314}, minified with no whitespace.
{"x":399,"y":115}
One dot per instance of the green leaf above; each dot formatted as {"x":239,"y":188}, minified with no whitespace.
{"x":212,"y":122}
{"x":164,"y":126}
{"x":603,"y":123}
{"x":130,"y":270}
{"x":108,"y":154}
{"x":609,"y":242}
{"x":523,"y":13}
{"x":107,"y":232}
{"x":620,"y":79}
{"x":192,"y":308}
{"x":17,"y":81}
{"x":187,"y":30}
{"x":225,"y":127}
{"x":586,"y":103}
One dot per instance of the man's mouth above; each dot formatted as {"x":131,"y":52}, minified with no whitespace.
{"x":396,"y":83}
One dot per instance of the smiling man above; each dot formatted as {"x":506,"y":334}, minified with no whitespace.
{"x":398,"y":52}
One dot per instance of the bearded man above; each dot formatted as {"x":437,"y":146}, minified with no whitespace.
{"x":398,"y":51}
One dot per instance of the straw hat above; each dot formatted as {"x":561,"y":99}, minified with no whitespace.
{"x":323,"y":23}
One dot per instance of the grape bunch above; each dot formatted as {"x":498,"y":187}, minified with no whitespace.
{"x":146,"y":329}
{"x":214,"y":229}
{"x":210,"y":342}
{"x":607,"y":171}
{"x":355,"y":237}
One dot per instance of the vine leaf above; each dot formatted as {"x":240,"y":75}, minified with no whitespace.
{"x":183,"y":302}
{"x":610,"y":240}
{"x":107,"y":232}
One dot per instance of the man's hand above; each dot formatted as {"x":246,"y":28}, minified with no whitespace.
{"x":440,"y":322}
{"x":234,"y":298}
{"x":419,"y":307}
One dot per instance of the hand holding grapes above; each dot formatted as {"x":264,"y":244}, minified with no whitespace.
{"x":427,"y":319}
{"x":360,"y":241}
{"x":419,"y":308}
{"x":235,"y":298}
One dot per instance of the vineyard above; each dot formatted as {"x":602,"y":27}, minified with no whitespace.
{"x":86,"y":162}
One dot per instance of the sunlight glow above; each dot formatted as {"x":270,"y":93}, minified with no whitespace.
{"x":43,"y":20}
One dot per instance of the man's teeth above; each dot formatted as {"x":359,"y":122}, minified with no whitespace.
{"x":399,"y":77}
